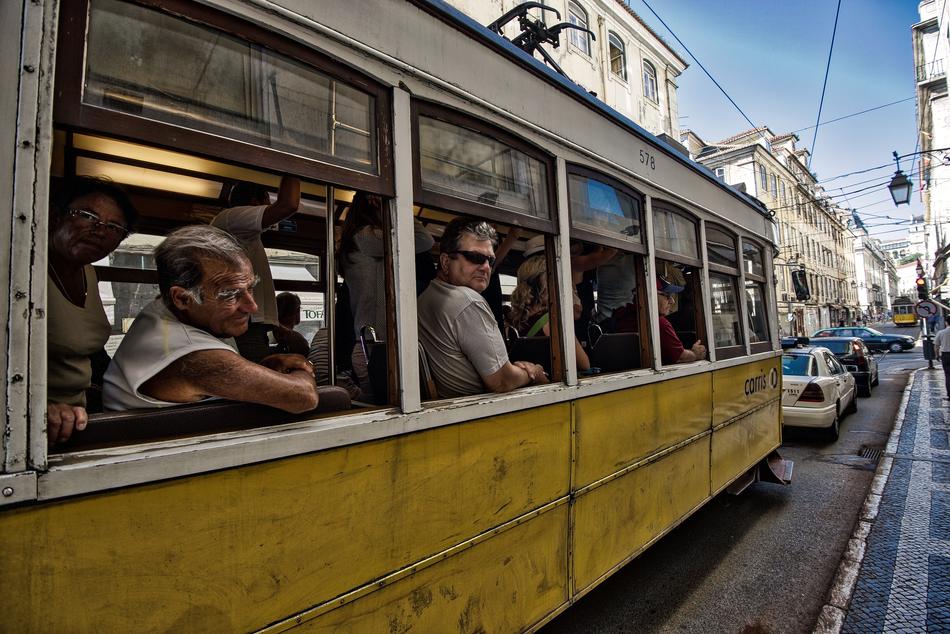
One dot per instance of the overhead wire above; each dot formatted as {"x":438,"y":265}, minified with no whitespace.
{"x":824,"y":85}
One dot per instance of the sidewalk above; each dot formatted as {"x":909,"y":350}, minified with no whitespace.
{"x":895,"y":574}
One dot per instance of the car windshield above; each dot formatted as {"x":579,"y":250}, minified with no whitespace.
{"x":875,"y":333}
{"x":798,"y":365}
{"x":838,"y":347}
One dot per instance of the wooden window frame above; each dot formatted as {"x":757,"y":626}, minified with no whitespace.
{"x":428,"y":198}
{"x":738,"y":350}
{"x":607,"y":239}
{"x":71,"y":112}
{"x":722,"y":268}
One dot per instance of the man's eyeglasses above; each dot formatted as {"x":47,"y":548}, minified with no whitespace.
{"x":231,"y":295}
{"x":92,"y":219}
{"x":475,"y":257}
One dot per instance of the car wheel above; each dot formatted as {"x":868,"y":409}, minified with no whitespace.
{"x":895,"y":347}
{"x":865,"y":388}
{"x":853,"y":405}
{"x":835,"y":428}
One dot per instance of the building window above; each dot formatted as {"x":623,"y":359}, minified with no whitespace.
{"x":774,"y":186}
{"x":649,"y":82}
{"x":578,"y":17}
{"x":721,"y":173}
{"x":763,"y":177}
{"x":618,"y":56}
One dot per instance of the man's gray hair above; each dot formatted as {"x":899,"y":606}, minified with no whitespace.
{"x":452,"y":235}
{"x":178,"y":257}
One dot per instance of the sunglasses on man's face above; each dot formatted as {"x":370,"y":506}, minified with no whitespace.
{"x":475,"y":257}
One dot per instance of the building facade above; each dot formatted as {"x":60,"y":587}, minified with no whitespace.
{"x":814,"y":235}
{"x":931,"y":56}
{"x":626,"y":65}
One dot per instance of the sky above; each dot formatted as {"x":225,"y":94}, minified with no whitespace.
{"x":770,"y":57}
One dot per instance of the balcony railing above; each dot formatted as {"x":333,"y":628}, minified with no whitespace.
{"x":930,"y":71}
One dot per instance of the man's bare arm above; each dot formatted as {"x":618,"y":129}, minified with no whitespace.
{"x":514,"y":375}
{"x":226,"y":374}
{"x":288,"y":200}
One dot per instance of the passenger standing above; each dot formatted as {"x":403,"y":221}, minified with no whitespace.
{"x":250,"y":215}
{"x":362,"y":264}
{"x":288,"y":314}
{"x":88,"y":220}
{"x":942,"y":351}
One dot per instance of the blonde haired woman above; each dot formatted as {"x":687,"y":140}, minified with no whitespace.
{"x":529,"y":305}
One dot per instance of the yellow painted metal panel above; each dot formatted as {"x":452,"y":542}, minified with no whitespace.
{"x":743,"y":387}
{"x":241,"y":548}
{"x":616,"y":519}
{"x":504,"y":584}
{"x":619,"y":428}
{"x":743,"y":442}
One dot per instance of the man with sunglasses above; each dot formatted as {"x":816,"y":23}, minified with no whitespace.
{"x":671,"y":348}
{"x":180,"y":348}
{"x":456,"y":327}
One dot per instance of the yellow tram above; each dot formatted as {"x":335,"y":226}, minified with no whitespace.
{"x":903,"y":311}
{"x":491,"y":512}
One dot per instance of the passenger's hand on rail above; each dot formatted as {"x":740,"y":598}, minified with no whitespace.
{"x":287,"y":363}
{"x":62,"y":420}
{"x":699,"y":349}
{"x":535,"y":372}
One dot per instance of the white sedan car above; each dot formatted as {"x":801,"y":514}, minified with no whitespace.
{"x":816,"y":389}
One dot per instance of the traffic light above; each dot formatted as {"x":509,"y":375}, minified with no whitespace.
{"x":922,"y":292}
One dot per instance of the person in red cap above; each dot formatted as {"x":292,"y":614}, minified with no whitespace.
{"x":671,"y":348}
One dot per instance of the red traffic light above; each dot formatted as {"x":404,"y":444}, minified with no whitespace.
{"x":922,"y":288}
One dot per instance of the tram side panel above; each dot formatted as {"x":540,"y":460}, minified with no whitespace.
{"x":747,"y":422}
{"x":242,"y":548}
{"x":630,"y":489}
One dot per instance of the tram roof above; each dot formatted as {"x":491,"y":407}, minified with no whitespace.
{"x":477,"y":31}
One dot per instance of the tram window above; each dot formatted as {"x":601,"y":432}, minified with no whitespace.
{"x":488,"y":322}
{"x":675,"y":233}
{"x":470,"y":165}
{"x":754,"y":269}
{"x":720,"y":247}
{"x":602,"y":207}
{"x":685,"y":307}
{"x":725,"y":314}
{"x":228,"y":87}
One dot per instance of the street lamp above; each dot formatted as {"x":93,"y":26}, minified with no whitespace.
{"x":900,"y":185}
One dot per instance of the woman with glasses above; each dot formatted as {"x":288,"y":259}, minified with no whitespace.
{"x":88,"y":219}
{"x":360,"y":258}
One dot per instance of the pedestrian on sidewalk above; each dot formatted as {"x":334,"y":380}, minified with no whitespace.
{"x":942,"y":350}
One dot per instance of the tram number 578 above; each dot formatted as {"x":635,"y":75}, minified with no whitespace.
{"x":647,"y":159}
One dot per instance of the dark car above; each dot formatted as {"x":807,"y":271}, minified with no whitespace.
{"x":856,"y":358}
{"x":873,"y":339}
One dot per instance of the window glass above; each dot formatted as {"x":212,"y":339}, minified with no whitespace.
{"x":649,"y":82}
{"x":675,"y":233}
{"x":580,"y":39}
{"x":602,"y":207}
{"x":752,"y":259}
{"x":755,"y":305}
{"x":608,"y":314}
{"x":720,"y":247}
{"x":618,"y":58}
{"x":460,"y":162}
{"x":153,"y":65}
{"x":725,"y":311}
{"x":763,"y":177}
{"x":798,"y":365}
